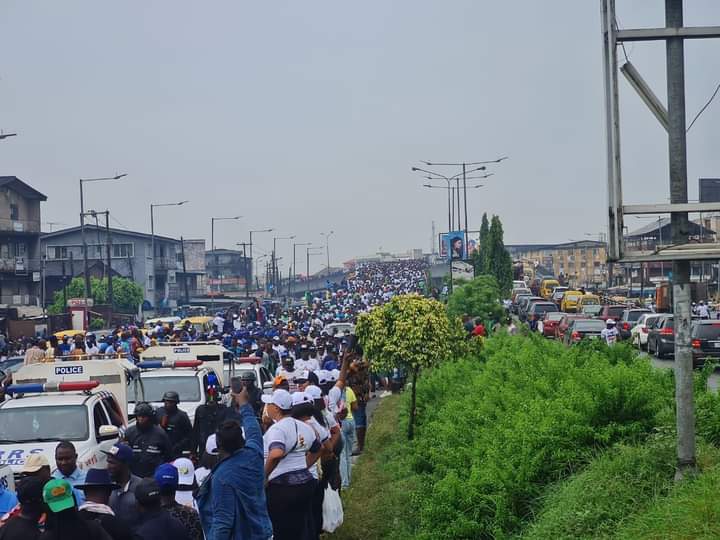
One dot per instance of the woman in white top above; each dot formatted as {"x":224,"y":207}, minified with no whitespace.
{"x":291,"y":448}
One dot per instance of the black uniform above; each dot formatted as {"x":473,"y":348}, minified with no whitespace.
{"x":151,"y":447}
{"x":207,"y":419}
{"x":178,"y":427}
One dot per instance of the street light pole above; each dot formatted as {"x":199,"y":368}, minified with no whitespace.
{"x":251,"y":248}
{"x":152,"y":237}
{"x":212,"y":250}
{"x":294,"y":269}
{"x":307,"y":265}
{"x":274,"y":270}
{"x":327,"y":249}
{"x":82,"y":224}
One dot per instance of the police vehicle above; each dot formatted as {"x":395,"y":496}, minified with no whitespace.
{"x":39,"y":415}
{"x":263,"y":378}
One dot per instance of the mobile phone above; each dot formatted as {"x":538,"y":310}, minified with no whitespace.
{"x":236,"y":385}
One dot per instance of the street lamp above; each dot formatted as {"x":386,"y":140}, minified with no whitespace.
{"x":212,"y":249}
{"x":275,"y":259}
{"x":327,"y":248}
{"x":82,"y":224}
{"x":294,"y":269}
{"x":307,"y":264}
{"x":6,"y":135}
{"x":152,"y":234}
{"x":251,"y":247}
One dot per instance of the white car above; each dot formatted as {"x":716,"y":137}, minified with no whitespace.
{"x":639,"y":332}
{"x":339,"y":329}
{"x":34,"y":423}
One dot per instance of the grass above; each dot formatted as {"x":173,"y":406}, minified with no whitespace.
{"x":371,"y":503}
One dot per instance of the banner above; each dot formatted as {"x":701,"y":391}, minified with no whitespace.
{"x":473,"y":243}
{"x":455,"y":245}
{"x":462,"y":270}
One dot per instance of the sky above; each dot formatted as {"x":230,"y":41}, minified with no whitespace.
{"x":306,"y":116}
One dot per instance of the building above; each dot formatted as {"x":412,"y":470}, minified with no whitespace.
{"x":20,"y":282}
{"x":227,"y":270}
{"x":581,"y":263}
{"x":161,"y":276}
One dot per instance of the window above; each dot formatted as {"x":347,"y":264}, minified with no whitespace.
{"x":4,"y":251}
{"x":14,"y":212}
{"x":122,"y":251}
{"x":20,"y":249}
{"x":99,"y":418}
{"x":111,"y":407}
{"x":151,"y":283}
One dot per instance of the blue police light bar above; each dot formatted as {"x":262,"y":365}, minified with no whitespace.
{"x":156,"y":364}
{"x":39,"y":388}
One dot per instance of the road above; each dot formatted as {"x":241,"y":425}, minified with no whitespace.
{"x":713,"y":381}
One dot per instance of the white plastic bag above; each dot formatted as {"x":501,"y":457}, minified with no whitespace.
{"x":332,"y":510}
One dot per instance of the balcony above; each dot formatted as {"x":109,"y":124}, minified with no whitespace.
{"x":163,"y":264}
{"x":19,"y":226}
{"x":20,"y":266}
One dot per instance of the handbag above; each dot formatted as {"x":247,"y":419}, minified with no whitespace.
{"x":332,"y":510}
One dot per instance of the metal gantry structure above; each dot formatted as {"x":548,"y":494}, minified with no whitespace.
{"x":680,"y":252}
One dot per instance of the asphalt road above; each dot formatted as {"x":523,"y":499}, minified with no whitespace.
{"x":713,"y":381}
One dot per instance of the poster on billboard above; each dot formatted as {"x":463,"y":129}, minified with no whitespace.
{"x":473,"y":243}
{"x":455,"y":245}
{"x":444,"y":245}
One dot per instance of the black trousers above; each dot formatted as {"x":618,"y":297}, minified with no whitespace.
{"x":291,"y":510}
{"x":317,"y":513}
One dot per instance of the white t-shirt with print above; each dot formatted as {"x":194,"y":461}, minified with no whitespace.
{"x":295,"y":438}
{"x":323,"y":435}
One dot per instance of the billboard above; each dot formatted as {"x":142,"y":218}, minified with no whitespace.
{"x":473,"y":243}
{"x":455,"y":245}
{"x":709,"y":190}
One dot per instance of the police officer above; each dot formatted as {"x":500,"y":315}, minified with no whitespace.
{"x":249,"y":380}
{"x":176,"y":424}
{"x":150,"y":444}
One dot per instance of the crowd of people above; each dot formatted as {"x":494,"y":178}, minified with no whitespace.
{"x":251,"y":465}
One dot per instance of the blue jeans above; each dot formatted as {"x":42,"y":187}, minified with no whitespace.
{"x":348,"y":436}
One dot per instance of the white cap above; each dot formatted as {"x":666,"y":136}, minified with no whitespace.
{"x":313,"y":392}
{"x":610,"y":321}
{"x":186,"y":471}
{"x":299,"y":398}
{"x":211,"y":445}
{"x":280,"y":398}
{"x":323,"y":376}
{"x":304,"y":375}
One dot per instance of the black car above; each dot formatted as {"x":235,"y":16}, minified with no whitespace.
{"x":661,"y":336}
{"x":705,"y":340}
{"x":580,"y":329}
{"x":539,"y":309}
{"x":628,"y":320}
{"x":525,"y":304}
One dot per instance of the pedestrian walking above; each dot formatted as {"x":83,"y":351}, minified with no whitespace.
{"x":176,"y":424}
{"x":167,"y":477}
{"x":122,"y":499}
{"x":67,"y":469}
{"x":64,"y":521}
{"x":97,"y":489}
{"x":150,"y":444}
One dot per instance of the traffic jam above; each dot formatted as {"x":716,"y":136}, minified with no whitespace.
{"x":573,"y":315}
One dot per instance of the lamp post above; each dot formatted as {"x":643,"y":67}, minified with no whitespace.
{"x":294,"y":269}
{"x":212,"y":249}
{"x":82,"y":224}
{"x":152,"y":234}
{"x":275,"y":272}
{"x":327,"y":248}
{"x":307,"y":264}
{"x":251,"y":245}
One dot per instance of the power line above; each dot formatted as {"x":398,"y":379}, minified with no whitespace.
{"x":715,"y":93}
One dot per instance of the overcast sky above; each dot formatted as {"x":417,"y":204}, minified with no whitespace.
{"x":306,"y":116}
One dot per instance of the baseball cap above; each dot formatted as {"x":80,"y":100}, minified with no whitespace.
{"x":298,"y":398}
{"x":186,"y":471}
{"x":147,"y":492}
{"x":121,"y":452}
{"x":323,"y":376}
{"x":30,"y":490}
{"x":58,"y":495}
{"x":280,"y":398}
{"x":34,"y":463}
{"x":314,"y":392}
{"x":211,"y":445}
{"x":302,"y":377}
{"x":610,"y":321}
{"x":166,"y":476}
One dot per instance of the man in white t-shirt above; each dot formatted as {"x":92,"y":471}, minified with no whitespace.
{"x":610,"y":334}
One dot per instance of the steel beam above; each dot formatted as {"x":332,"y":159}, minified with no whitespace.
{"x":658,"y":34}
{"x":669,"y":208}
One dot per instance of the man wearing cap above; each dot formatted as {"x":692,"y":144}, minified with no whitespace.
{"x":66,"y":523}
{"x":67,"y":469}
{"x":156,"y":523}
{"x":232,"y":499}
{"x":176,"y":424}
{"x":97,"y":488}
{"x":167,"y":477}
{"x":24,"y":524}
{"x":186,"y":482}
{"x":37,"y":465}
{"x":150,"y":444}
{"x":122,"y":499}
{"x":207,"y":416}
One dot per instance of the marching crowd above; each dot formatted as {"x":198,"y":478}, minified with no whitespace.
{"x":251,"y":465}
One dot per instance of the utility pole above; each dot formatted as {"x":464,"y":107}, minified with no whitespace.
{"x":245,"y":267}
{"x":184,"y":267}
{"x":679,"y":227}
{"x":108,"y":249}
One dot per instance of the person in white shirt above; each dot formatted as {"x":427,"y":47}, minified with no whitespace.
{"x":610,"y":334}
{"x":289,"y":372}
{"x":291,"y":447}
{"x":702,"y":310}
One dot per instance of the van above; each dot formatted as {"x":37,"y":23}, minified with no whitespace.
{"x":547,"y":286}
{"x":570,"y":299}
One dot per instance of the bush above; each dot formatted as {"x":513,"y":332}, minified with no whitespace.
{"x":492,"y":438}
{"x":97,"y":323}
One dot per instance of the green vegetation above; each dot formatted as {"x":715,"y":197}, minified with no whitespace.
{"x":478,"y":298}
{"x":127,"y":294}
{"x":410,"y":333}
{"x":491,"y":257}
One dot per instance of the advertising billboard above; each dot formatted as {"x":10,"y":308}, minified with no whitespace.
{"x":455,"y":245}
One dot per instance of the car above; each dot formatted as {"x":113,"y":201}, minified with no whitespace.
{"x":340,"y":329}
{"x":538,"y":310}
{"x":35,"y":421}
{"x":547,"y":286}
{"x":570,"y":301}
{"x":704,"y":340}
{"x":564,"y":322}
{"x":628,"y":320}
{"x":612,"y":311}
{"x":592,"y":310}
{"x":587,"y":300}
{"x":264,"y":379}
{"x":581,"y":329}
{"x":525,"y":304}
{"x":547,"y":326}
{"x":661,"y":336}
{"x":639,"y":332}
{"x":11,"y":365}
{"x":515,"y":301}
{"x":519,"y":284}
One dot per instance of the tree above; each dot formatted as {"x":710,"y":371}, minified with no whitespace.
{"x":499,"y":262}
{"x":409,"y":332}
{"x":127,"y":294}
{"x":482,"y":255}
{"x":479,"y":298}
